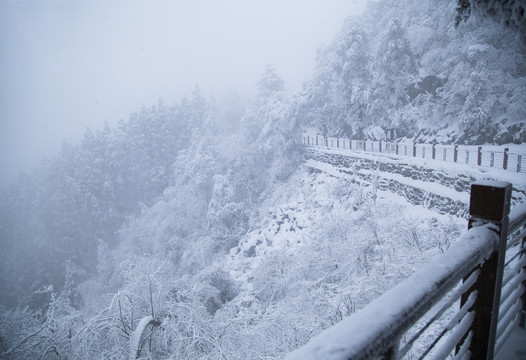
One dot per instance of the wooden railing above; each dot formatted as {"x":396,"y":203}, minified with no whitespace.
{"x":486,"y":156}
{"x":464,"y":303}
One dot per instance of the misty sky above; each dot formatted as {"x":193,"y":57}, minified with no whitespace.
{"x":66,"y":65}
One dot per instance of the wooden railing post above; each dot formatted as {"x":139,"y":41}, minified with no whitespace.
{"x":434,"y":152}
{"x":523,"y":297}
{"x":505,"y":160}
{"x":414,"y":149}
{"x":392,"y":353}
{"x":455,"y":153}
{"x":489,"y":203}
{"x":479,"y":156}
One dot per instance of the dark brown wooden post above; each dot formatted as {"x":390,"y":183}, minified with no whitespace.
{"x":392,"y":353}
{"x":434,"y":151}
{"x":455,"y":153}
{"x":519,"y":166}
{"x":505,"y":160}
{"x":479,"y":156}
{"x":396,"y":148}
{"x":489,"y":203}
{"x":380,"y":145}
{"x":523,"y":297}
{"x":414,"y":149}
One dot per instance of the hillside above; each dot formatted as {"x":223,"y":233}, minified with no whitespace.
{"x":204,"y":229}
{"x":317,"y":249}
{"x":404,"y":72}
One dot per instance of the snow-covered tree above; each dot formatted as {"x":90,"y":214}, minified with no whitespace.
{"x":393,"y":70}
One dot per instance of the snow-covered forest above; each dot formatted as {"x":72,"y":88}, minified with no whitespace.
{"x":196,"y":230}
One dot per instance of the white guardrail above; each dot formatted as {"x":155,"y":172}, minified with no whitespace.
{"x":486,"y":156}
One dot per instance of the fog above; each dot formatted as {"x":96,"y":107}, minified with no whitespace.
{"x":68,"y":65}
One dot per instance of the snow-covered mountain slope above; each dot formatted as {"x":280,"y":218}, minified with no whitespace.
{"x":410,"y":70}
{"x":340,"y":240}
{"x":333,"y":238}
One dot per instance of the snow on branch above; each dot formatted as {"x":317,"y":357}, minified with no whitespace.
{"x":137,"y":334}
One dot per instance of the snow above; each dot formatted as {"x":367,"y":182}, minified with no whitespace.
{"x":513,"y":313}
{"x":442,"y":169}
{"x":517,"y":216}
{"x":454,"y":338}
{"x":340,"y":343}
{"x":303,"y":248}
{"x":515,"y":346}
{"x":136,"y":336}
{"x":410,"y":209}
{"x":295,"y":220}
{"x":330,"y":169}
{"x":477,"y":48}
{"x":492,"y":183}
{"x":430,"y":187}
{"x":369,"y":328}
{"x":517,"y":179}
